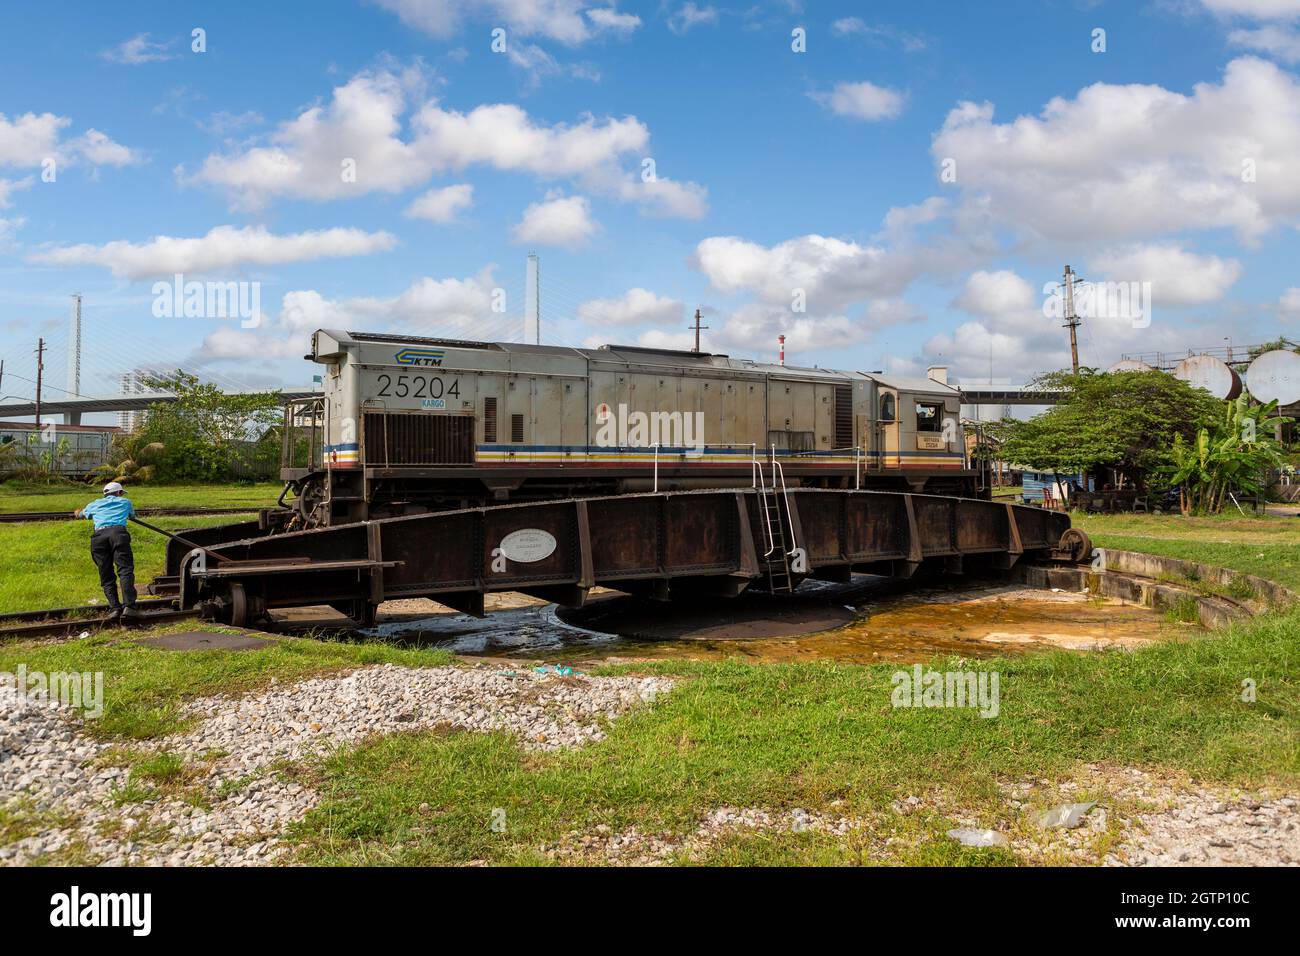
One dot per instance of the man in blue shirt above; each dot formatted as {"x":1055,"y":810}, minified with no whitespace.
{"x":110,"y":546}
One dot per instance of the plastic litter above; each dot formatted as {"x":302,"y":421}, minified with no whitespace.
{"x":555,"y":669}
{"x":1067,"y":816}
{"x":968,"y":837}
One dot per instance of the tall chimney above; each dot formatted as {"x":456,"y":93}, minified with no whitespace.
{"x":781,"y":340}
{"x":74,"y":359}
{"x":532,"y":302}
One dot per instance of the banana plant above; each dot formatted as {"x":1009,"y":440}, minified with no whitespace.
{"x":1237,"y":456}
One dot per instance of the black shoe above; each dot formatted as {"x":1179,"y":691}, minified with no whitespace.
{"x":114,"y":614}
{"x":131,"y":614}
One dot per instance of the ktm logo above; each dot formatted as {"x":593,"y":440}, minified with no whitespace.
{"x":421,"y":357}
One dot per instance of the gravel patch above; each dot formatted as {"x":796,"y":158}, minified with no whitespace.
{"x":631,"y":847}
{"x":1143,"y":818}
{"x":234,"y":809}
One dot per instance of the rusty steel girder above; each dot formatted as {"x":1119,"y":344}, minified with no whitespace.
{"x":712,"y":542}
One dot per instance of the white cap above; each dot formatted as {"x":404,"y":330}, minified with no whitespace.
{"x":113,"y":487}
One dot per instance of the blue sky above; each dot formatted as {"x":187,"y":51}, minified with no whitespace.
{"x":794,"y":192}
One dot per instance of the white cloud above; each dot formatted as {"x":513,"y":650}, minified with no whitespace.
{"x":1289,"y":303}
{"x":30,"y":139}
{"x":996,"y":293}
{"x":556,"y":222}
{"x":363,"y":123}
{"x":223,"y":248}
{"x":139,"y":49}
{"x":751,"y":331}
{"x":608,"y":18}
{"x":455,"y":308}
{"x":882,"y":312}
{"x":1255,"y":9}
{"x":634,"y":307}
{"x":1177,"y":277}
{"x":1013,"y":330}
{"x":442,"y":205}
{"x":848,"y":26}
{"x":663,"y":198}
{"x":1276,"y":41}
{"x":690,"y":15}
{"x":864,"y":101}
{"x":1134,"y":161}
{"x":10,"y":186}
{"x":228,"y":342}
{"x":900,"y":220}
{"x":100,"y":150}
{"x":7,"y":229}
{"x":561,"y":20}
{"x":503,"y":136}
{"x":856,"y":26}
{"x":830,"y":272}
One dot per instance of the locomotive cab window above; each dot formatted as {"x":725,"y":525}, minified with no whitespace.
{"x":929,"y":417}
{"x":888,"y":408}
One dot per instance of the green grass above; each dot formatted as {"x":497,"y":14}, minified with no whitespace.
{"x":47,"y":563}
{"x":1267,"y":547}
{"x":818,"y":736}
{"x":814,"y":735}
{"x":145,"y":688}
{"x":67,"y":496}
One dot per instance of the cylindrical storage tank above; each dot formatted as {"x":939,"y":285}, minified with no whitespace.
{"x":1129,"y":365}
{"x":1275,"y":375}
{"x":1207,"y":372}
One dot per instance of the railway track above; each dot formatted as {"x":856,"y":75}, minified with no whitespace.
{"x":55,"y":622}
{"x":69,"y":516}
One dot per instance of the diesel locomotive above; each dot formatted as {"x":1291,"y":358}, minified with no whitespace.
{"x":410,"y":425}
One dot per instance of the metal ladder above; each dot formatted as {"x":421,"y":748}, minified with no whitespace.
{"x":776,"y":559}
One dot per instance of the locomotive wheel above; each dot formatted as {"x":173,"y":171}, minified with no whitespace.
{"x":1077,"y":544}
{"x":237,"y":607}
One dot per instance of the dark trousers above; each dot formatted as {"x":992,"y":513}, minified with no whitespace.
{"x":111,"y":548}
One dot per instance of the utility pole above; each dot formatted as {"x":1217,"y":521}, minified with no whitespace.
{"x":40,"y":368}
{"x":1071,"y":320}
{"x":697,"y":327}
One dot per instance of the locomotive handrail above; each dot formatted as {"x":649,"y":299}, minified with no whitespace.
{"x":756,"y":476}
{"x":779,"y":472}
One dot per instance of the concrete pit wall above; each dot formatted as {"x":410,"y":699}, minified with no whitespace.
{"x":1160,"y":583}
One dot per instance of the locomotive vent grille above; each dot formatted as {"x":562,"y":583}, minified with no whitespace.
{"x":490,"y":420}
{"x":844,"y":416}
{"x":418,"y":438}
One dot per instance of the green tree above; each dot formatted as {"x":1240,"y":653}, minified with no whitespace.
{"x":205,"y":435}
{"x":1127,"y":421}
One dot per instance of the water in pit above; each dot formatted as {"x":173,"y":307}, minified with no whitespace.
{"x":869,"y":621}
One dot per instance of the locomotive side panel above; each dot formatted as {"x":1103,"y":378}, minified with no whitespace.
{"x":413,"y":424}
